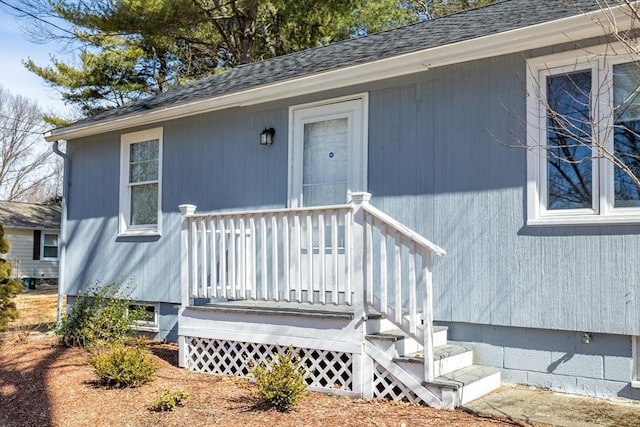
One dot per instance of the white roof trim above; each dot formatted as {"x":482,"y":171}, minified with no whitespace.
{"x":549,"y":33}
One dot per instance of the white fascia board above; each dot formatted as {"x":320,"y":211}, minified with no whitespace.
{"x":546,"y":34}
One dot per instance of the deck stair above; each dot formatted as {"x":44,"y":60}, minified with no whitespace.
{"x":457,"y":380}
{"x":283,"y":273}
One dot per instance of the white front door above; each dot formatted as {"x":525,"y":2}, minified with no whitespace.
{"x":328,"y":152}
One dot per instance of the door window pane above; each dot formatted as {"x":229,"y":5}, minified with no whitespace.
{"x":569,"y":165}
{"x":626,"y":78}
{"x":324,"y":179}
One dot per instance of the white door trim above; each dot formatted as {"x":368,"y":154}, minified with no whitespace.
{"x":354,"y":107}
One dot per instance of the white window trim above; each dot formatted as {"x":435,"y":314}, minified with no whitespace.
{"x":42,"y":234}
{"x":600,"y":61}
{"x":356,"y":108}
{"x":148,"y":326}
{"x":124,"y":228}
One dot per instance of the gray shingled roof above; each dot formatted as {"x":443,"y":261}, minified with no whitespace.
{"x":500,"y":17}
{"x":29,"y":215}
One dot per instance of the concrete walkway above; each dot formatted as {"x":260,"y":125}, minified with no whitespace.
{"x":535,"y":406}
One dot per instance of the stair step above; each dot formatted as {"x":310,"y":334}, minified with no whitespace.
{"x":446,"y":359}
{"x":439,"y":335}
{"x":468,"y":383}
{"x":395,"y":342}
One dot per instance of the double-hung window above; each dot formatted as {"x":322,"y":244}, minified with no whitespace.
{"x":140,"y":182}
{"x":583,"y":139}
{"x":49,"y":249}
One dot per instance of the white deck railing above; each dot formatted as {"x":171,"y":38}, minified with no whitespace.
{"x":350,"y":254}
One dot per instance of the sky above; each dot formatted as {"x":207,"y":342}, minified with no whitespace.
{"x":15,"y":47}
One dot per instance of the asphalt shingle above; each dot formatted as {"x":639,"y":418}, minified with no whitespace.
{"x":29,"y":215}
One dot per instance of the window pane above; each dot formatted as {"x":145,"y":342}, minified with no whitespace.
{"x":51,"y":252}
{"x":626,"y":78}
{"x":51,"y":240}
{"x":143,"y":161}
{"x":324,"y":177}
{"x":144,"y":204}
{"x":569,"y":165}
{"x":326,"y":194}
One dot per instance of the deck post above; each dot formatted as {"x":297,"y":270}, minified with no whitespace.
{"x":427,"y":314}
{"x":185,"y":212}
{"x":362,"y":374}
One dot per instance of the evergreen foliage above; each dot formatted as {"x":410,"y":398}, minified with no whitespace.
{"x":281,"y":382}
{"x":122,"y":366}
{"x":168,"y":400}
{"x":9,"y":288}
{"x":99,"y":313}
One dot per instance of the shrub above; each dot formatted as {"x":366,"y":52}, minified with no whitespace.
{"x":281,"y":382}
{"x":167,"y":400}
{"x":9,"y":288}
{"x":99,"y":313}
{"x":119,"y":366}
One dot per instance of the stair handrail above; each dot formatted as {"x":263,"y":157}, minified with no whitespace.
{"x":365,"y":216}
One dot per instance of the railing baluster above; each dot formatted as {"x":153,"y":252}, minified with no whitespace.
{"x":397,"y":277}
{"x":347,"y":256}
{"x":213,"y":282}
{"x":263,"y":257}
{"x":413,"y":312}
{"x":242,"y":259}
{"x":194,"y":257}
{"x":368,"y":259}
{"x":223,"y":259}
{"x":384,"y":275}
{"x":297,"y":256}
{"x":334,"y":257}
{"x":286,"y":257}
{"x":310,"y":287}
{"x":322,"y":253}
{"x":252,"y":276}
{"x":231,"y":258}
{"x":274,"y":258}
{"x":202,"y":291}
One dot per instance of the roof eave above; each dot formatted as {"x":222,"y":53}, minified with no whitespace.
{"x":545,"y":34}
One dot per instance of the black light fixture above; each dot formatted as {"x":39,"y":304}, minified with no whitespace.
{"x":266,"y":136}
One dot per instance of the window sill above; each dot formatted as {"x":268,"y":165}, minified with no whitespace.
{"x":139,"y":233}
{"x":588,"y":220}
{"x":146,"y":328}
{"x":635,"y":384}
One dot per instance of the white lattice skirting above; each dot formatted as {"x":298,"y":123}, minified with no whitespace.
{"x":386,"y":386}
{"x":324,"y":369}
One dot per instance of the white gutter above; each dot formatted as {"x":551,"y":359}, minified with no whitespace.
{"x":62,"y":243}
{"x":549,"y":33}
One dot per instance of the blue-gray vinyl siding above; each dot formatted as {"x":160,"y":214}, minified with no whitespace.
{"x":444,"y":157}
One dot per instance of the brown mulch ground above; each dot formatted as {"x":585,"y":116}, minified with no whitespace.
{"x":45,"y":384}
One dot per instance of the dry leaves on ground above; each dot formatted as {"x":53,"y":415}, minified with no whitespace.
{"x":45,"y":384}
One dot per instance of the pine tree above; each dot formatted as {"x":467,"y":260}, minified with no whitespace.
{"x":9,"y":288}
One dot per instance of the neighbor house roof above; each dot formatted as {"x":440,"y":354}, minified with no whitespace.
{"x":29,"y":215}
{"x":435,"y":40}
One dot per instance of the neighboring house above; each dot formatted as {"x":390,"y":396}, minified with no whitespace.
{"x":32,"y":231}
{"x":431,"y":119}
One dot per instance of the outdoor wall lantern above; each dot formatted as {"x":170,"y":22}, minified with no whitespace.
{"x":266,"y":136}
